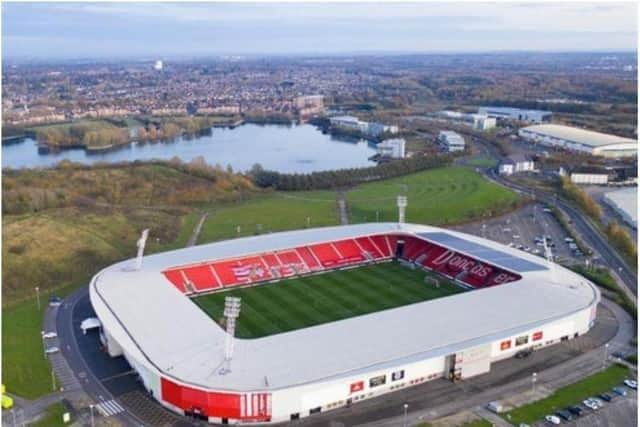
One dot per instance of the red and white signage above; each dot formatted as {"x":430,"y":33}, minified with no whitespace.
{"x":505,"y":345}
{"x":356,"y":387}
{"x":537,"y":336}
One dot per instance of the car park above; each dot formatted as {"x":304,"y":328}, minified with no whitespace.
{"x":605,"y":397}
{"x":553,"y":419}
{"x":619,"y":391}
{"x":631,"y":384}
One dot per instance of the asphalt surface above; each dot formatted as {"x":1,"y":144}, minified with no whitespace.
{"x":110,"y":380}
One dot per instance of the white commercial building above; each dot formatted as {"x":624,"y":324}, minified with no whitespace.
{"x":510,"y":113}
{"x":392,"y":148}
{"x":373,"y":129}
{"x":515,"y":301}
{"x":516,"y":163}
{"x":476,"y":121}
{"x":625,"y":202}
{"x":585,"y":141}
{"x":451,"y":141}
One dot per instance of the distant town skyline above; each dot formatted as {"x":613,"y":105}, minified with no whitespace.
{"x":103,"y":30}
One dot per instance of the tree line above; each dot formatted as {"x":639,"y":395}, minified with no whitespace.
{"x":344,"y":177}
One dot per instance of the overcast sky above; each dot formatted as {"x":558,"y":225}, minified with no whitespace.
{"x":67,"y":30}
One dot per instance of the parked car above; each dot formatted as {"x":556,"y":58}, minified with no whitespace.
{"x":547,"y":210}
{"x":591,"y":404}
{"x":522,"y":354}
{"x":51,"y":350}
{"x":553,"y":419}
{"x":606,"y":397}
{"x":631,"y":384}
{"x":49,"y":335}
{"x":619,"y":391}
{"x":565,"y":415}
{"x":575,"y":410}
{"x":618,"y":355}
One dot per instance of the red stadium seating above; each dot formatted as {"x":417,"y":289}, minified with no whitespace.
{"x":308,"y":258}
{"x":367,"y":245}
{"x":175,"y":277}
{"x":349,"y":250}
{"x":201,"y":277}
{"x":317,"y":257}
{"x":326,"y":253}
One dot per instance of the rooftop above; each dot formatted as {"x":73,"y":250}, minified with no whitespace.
{"x":581,"y":136}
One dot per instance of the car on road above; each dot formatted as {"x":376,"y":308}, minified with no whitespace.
{"x":553,"y":419}
{"x":55,"y":301}
{"x":575,"y":410}
{"x":618,"y":355}
{"x":565,"y":415}
{"x":547,"y":210}
{"x":606,"y":397}
{"x":523,"y":354}
{"x":631,"y":384}
{"x":589,"y":403}
{"x":51,"y":350}
{"x":619,"y":391}
{"x":49,"y":335}
{"x":568,"y":240}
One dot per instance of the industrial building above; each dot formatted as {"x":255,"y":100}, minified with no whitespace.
{"x":451,"y":141}
{"x":509,"y":113}
{"x":625,"y":202}
{"x":515,"y":301}
{"x":392,"y":148}
{"x":516,"y":163}
{"x":372,"y":129}
{"x":475,"y":121}
{"x":581,"y":140}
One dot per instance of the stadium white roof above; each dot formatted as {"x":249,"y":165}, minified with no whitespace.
{"x":580,"y":136}
{"x":162,"y":327}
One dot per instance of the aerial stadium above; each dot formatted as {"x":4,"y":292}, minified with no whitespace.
{"x":282,"y":326}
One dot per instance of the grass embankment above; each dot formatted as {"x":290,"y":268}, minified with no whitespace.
{"x":602,"y":277}
{"x":439,"y":196}
{"x":52,"y":417}
{"x":313,"y":300}
{"x":570,"y":395}
{"x":274,"y":211}
{"x":61,"y":226}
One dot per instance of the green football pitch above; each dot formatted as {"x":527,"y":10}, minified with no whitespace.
{"x":312,"y":300}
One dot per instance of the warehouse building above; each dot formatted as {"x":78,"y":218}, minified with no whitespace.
{"x":516,"y":163}
{"x":451,"y":141}
{"x":625,"y":202}
{"x":392,"y":148}
{"x":510,"y":113}
{"x":584,"y":141}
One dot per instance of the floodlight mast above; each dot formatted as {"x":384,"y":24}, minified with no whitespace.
{"x":402,"y":205}
{"x":231,"y":313}
{"x":549,"y":256}
{"x":141,"y":243}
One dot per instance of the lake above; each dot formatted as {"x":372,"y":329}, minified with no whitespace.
{"x":289,"y":149}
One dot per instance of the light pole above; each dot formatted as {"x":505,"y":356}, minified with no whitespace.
{"x":91,"y":409}
{"x":38,"y":296}
{"x":534,"y":378}
{"x":53,"y":380}
{"x":404,"y":422}
{"x":606,"y":354}
{"x":308,"y":221}
{"x":44,"y":347}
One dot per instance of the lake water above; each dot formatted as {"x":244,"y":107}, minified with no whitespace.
{"x":290,"y":149}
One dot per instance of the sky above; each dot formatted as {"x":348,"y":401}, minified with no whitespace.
{"x":103,"y":30}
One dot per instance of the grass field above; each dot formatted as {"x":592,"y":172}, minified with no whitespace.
{"x":569,"y":395}
{"x":271,"y":212}
{"x":301,"y":302}
{"x":437,"y":196}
